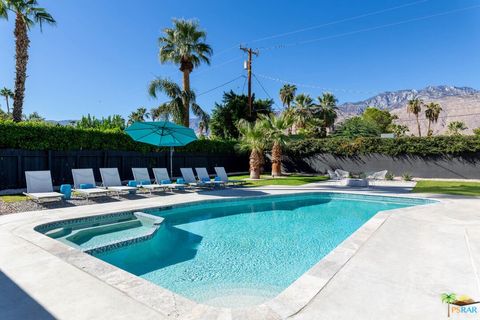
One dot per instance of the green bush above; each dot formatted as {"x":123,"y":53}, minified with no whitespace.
{"x":42,"y":136}
{"x":426,"y":146}
{"x":389,"y":176}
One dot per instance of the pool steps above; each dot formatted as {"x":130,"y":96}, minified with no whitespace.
{"x":76,"y":233}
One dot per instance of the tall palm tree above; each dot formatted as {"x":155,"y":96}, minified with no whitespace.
{"x":302,"y":110}
{"x":7,"y":94}
{"x":138,"y":115}
{"x":415,"y":106}
{"x":327,"y":105}
{"x":184,"y":45}
{"x":287,"y":94}
{"x":252,"y":138}
{"x":276,"y":128}
{"x":27,"y":14}
{"x":432,"y":112}
{"x":175,"y":108}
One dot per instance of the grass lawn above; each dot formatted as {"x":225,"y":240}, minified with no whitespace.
{"x":293,"y":180}
{"x":13,"y":198}
{"x":448,"y":187}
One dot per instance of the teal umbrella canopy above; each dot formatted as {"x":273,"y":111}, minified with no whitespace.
{"x":161,"y":133}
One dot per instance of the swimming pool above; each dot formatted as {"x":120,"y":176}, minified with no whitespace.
{"x":234,"y":253}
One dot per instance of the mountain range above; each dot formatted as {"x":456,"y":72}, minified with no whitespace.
{"x":458,"y":104}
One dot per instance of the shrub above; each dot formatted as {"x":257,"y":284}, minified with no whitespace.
{"x":42,"y":136}
{"x":407,"y":177}
{"x":389,"y":176}
{"x":424,"y":146}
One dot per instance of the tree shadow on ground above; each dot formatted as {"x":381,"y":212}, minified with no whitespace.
{"x":15,"y":303}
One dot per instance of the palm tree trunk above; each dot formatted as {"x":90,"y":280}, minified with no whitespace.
{"x":255,"y":164}
{"x":418,"y":126}
{"x":21,"y":55}
{"x":186,"y":103}
{"x":8,"y":108}
{"x":428,"y":131}
{"x":276,"y":159}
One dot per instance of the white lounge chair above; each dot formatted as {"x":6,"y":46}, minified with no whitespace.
{"x":376,"y":176}
{"x":203,"y":176}
{"x":111,"y":181}
{"x":333,"y":175}
{"x":84,"y":177}
{"x":40,"y":187}
{"x":142,"y":177}
{"x":189,"y":177}
{"x":161,"y":174}
{"x":342,"y":174}
{"x":220,"y":171}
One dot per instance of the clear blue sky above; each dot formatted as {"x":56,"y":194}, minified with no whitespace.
{"x":102,"y":54}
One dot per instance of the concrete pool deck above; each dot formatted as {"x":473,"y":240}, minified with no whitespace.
{"x":394,"y":267}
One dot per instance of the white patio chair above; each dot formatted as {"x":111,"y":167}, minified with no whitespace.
{"x":203,"y":176}
{"x":111,"y":181}
{"x":376,"y":176}
{"x":40,"y":187}
{"x":342,"y":174}
{"x":85,"y":177}
{"x":189,"y":177}
{"x":142,"y":177}
{"x":220,"y":171}
{"x":161,"y":174}
{"x":333,"y":175}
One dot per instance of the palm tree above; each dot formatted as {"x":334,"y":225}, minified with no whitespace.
{"x":327,"y":105}
{"x":432,"y":112}
{"x":287,"y":94}
{"x":27,"y":14}
{"x":415,"y":106}
{"x":448,"y":298}
{"x":8,"y":94}
{"x":455,"y":127}
{"x":184,"y":45}
{"x":138,"y":115}
{"x":175,"y":107}
{"x":302,"y":110}
{"x":34,"y":117}
{"x":276,"y":128}
{"x":252,"y":138}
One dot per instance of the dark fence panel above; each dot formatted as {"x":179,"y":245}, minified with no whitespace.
{"x":13,"y":163}
{"x":465,"y":166}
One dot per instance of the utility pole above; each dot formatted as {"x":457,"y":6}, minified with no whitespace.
{"x":250,"y":53}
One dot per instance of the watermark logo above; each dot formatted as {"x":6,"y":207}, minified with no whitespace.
{"x":462,"y":305}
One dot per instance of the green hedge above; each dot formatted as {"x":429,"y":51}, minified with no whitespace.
{"x":428,"y":146}
{"x":41,"y":136}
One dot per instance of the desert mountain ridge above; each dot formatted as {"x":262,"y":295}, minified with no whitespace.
{"x":458,"y":104}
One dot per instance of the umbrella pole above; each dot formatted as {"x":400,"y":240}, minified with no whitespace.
{"x":171,"y":162}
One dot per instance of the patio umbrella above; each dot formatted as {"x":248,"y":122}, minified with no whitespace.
{"x":162,"y":134}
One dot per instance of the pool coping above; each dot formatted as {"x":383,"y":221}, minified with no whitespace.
{"x":288,"y":303}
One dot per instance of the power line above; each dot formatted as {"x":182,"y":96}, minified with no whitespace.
{"x":314,"y":86}
{"x":264,"y":90}
{"x":281,"y":46}
{"x":364,"y":15}
{"x":338,"y":21}
{"x":219,"y":65}
{"x":442,"y":117}
{"x":219,"y":86}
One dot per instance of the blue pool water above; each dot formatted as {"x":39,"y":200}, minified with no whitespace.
{"x":244,"y":252}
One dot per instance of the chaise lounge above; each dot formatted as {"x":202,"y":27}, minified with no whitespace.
{"x":40,"y":187}
{"x":84,"y":184}
{"x":111,"y":181}
{"x":220,"y":171}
